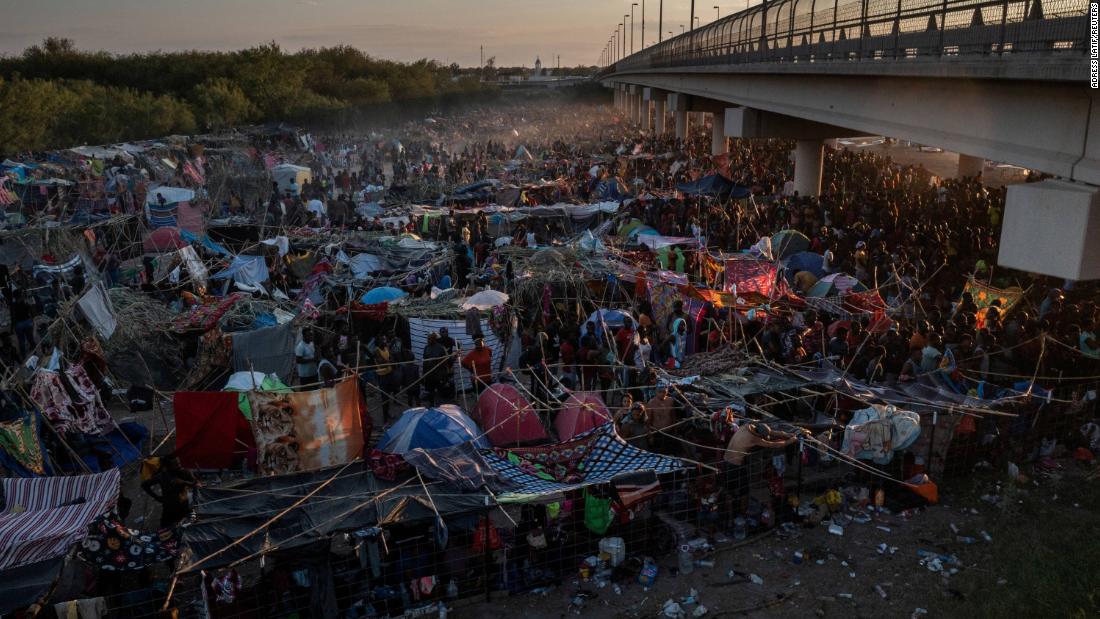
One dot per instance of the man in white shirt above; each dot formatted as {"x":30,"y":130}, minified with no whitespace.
{"x":317,"y":207}
{"x":305,"y":354}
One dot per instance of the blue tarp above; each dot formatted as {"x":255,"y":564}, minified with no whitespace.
{"x":714,"y":185}
{"x":190,"y":237}
{"x":610,"y":189}
{"x":385,"y":294}
{"x":806,"y":261}
{"x":250,"y":270}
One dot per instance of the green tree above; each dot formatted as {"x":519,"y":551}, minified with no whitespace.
{"x":218,"y":103}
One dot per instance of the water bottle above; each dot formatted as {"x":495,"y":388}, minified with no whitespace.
{"x":687,"y":561}
{"x":739,"y":532}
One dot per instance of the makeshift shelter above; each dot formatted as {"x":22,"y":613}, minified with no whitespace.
{"x":714,"y":185}
{"x":163,"y":240}
{"x":285,"y":174}
{"x":429,"y":428}
{"x":384,"y":294}
{"x":248,"y":270}
{"x":507,"y":417}
{"x":805,"y":261}
{"x":485,"y":300}
{"x":596,"y":457}
{"x":419,"y":328}
{"x":835,"y":285}
{"x":786,"y":243}
{"x":582,"y":411}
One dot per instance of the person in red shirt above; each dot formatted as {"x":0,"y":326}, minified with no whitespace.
{"x":479,"y":362}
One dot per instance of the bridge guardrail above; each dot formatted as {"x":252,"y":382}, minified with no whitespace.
{"x":811,"y":31}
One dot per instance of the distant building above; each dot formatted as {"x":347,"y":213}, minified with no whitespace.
{"x":537,"y":74}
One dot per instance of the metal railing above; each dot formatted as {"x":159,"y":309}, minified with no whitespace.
{"x":809,"y":31}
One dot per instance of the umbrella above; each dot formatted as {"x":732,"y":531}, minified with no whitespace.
{"x":384,"y":294}
{"x":786,"y":243}
{"x":835,"y":285}
{"x":806,"y":261}
{"x":486,"y":299}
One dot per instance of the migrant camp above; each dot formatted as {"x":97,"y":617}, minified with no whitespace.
{"x":529,"y":358}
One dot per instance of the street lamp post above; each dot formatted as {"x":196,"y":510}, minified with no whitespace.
{"x":681,"y":28}
{"x":717,"y":13}
{"x":643,"y":24}
{"x":625,"y":17}
{"x":632,"y":26}
{"x":661,"y":20}
{"x":695,"y":24}
{"x":692,"y":20}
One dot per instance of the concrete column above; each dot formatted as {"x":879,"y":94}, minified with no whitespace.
{"x":970,"y":166}
{"x":718,"y":134}
{"x":681,"y":117}
{"x":636,"y":108}
{"x":644,"y":113}
{"x":659,"y":116}
{"x":808,"y":156}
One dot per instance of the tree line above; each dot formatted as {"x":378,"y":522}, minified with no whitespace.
{"x":54,"y":95}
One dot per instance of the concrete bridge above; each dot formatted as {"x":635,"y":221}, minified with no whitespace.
{"x":1006,"y":80}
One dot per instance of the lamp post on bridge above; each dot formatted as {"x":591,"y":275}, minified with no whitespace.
{"x":661,"y":21}
{"x":643,"y":25}
{"x":632,"y":26}
{"x":624,"y":34}
{"x":717,"y":13}
{"x":691,"y":21}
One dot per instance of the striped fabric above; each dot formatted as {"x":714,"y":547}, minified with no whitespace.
{"x":44,"y":516}
{"x":419,"y":328}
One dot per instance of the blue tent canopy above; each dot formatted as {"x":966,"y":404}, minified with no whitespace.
{"x":714,"y":185}
{"x":385,"y":294}
{"x":430,"y":428}
{"x":806,"y":261}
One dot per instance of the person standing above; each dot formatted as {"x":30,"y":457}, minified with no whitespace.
{"x":479,"y":362}
{"x":435,"y":365}
{"x":175,"y":484}
{"x":305,"y":354}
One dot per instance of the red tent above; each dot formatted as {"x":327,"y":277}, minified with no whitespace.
{"x":581,"y":412}
{"x":507,"y":417}
{"x":163,"y":239}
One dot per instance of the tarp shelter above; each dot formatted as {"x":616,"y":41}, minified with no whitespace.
{"x":26,"y":585}
{"x":248,"y":270}
{"x":363,"y":265}
{"x":805,"y":261}
{"x":44,"y":516}
{"x":284,"y":174}
{"x":430,"y":428}
{"x":486,"y":299}
{"x":786,"y":243}
{"x":714,"y":185}
{"x":339,"y":499}
{"x":611,"y":318}
{"x":97,"y":310}
{"x":163,"y":240}
{"x":171,"y":195}
{"x":269,"y":350}
{"x":750,"y":277}
{"x":243,"y":382}
{"x":211,"y":431}
{"x":419,"y":328}
{"x":834,"y":285}
{"x":581,"y":412}
{"x":598,"y":456}
{"x":384,"y":294}
{"x":507,"y":417}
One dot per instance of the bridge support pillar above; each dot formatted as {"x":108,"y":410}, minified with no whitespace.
{"x":681,"y":117}
{"x":970,"y":166}
{"x":718,"y":134}
{"x":659,"y":116}
{"x":808,"y":155}
{"x":1052,"y":227}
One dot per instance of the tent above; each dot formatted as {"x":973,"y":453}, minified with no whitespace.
{"x":285,"y":174}
{"x":581,"y":412}
{"x":163,"y":240}
{"x":249,"y":270}
{"x":835,"y":285}
{"x":714,"y":185}
{"x":429,"y":428}
{"x":508,"y":418}
{"x":786,"y":243}
{"x":383,"y":294}
{"x":806,"y":261}
{"x":362,"y":265}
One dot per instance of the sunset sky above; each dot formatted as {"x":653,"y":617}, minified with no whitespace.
{"x":515,"y":31}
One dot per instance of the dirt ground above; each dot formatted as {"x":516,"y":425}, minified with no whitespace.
{"x":873,"y":570}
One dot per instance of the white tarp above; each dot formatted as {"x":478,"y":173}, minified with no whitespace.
{"x":171,"y":195}
{"x":96,"y":307}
